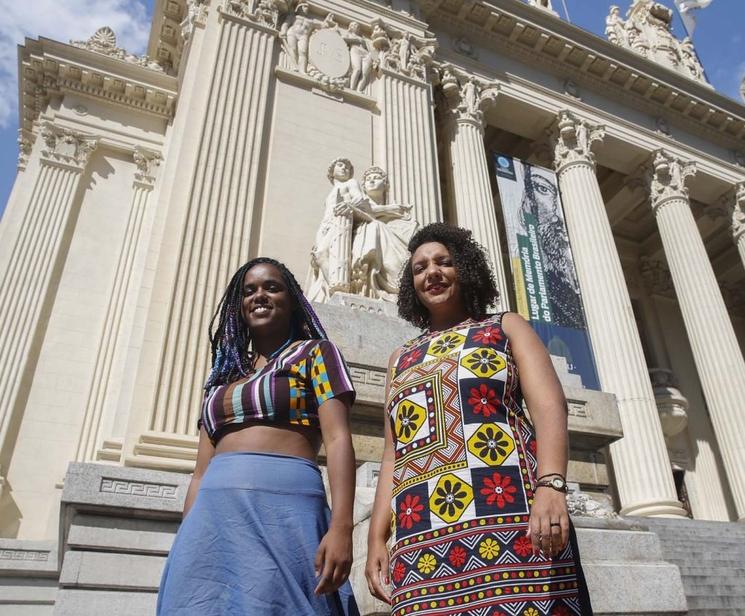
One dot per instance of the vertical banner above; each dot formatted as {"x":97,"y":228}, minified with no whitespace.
{"x":546,"y":285}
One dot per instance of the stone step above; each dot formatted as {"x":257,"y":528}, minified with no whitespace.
{"x":719,"y":572}
{"x":698,"y":586}
{"x":714,"y":600}
{"x":111,"y":571}
{"x":71,"y":602}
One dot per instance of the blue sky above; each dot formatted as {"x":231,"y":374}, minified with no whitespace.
{"x":719,"y":41}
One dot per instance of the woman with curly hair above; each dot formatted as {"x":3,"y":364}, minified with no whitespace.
{"x":257,"y":536}
{"x":477,"y":489}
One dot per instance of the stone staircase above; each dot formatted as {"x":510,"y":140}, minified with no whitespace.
{"x":711,"y":558}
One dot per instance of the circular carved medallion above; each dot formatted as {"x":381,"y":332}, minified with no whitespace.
{"x":329,"y":53}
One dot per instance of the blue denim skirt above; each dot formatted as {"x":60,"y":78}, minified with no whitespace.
{"x":249,"y":542}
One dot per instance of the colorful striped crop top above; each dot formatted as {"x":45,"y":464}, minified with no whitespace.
{"x":289,"y":389}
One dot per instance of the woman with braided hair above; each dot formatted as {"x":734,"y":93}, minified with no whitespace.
{"x":257,"y":536}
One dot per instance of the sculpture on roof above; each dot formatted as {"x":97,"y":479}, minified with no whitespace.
{"x":647,"y":30}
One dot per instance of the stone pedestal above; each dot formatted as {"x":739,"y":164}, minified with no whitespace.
{"x":716,"y":351}
{"x":642,"y":468}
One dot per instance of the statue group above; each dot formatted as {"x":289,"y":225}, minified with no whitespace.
{"x":360,"y":246}
{"x":648,"y":31}
{"x":351,"y":55}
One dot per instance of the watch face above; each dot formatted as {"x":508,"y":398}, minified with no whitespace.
{"x":558,"y":483}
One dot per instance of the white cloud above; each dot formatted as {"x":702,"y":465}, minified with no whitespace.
{"x":62,"y":20}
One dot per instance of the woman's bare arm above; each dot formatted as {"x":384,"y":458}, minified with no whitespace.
{"x":548,"y":411}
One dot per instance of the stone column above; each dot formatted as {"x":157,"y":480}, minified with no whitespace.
{"x":737,"y":204}
{"x":408,"y":145}
{"x":27,"y":286}
{"x":473,"y":204}
{"x":640,"y":460}
{"x":215,"y":236}
{"x":122,"y":295}
{"x":717,"y":354}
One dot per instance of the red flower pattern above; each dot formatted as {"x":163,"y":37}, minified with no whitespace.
{"x":399,"y":570}
{"x":457,"y":556}
{"x":488,"y":335}
{"x":523,"y":546}
{"x":410,"y":359}
{"x":533,"y":446}
{"x":409,"y":511}
{"x":498,"y":489}
{"x":483,"y":400}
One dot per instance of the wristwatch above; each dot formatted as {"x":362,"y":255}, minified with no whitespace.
{"x":556,"y":483}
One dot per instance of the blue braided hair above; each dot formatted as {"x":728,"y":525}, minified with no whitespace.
{"x":232,"y":352}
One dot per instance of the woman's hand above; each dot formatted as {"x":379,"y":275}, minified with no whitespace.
{"x":333,"y":560}
{"x":549,"y":522}
{"x":376,"y":570}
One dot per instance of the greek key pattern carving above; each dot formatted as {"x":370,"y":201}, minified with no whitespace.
{"x":137,"y":488}
{"x":33,"y":555}
{"x":367,"y":376}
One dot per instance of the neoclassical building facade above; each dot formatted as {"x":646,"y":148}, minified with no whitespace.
{"x":144,"y":181}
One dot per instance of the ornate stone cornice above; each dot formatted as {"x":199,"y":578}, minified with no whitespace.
{"x":655,"y":277}
{"x":539,"y":39}
{"x":402,"y":52}
{"x":667,"y":176}
{"x":104,"y":42}
{"x":51,"y":69}
{"x":147,"y":161}
{"x":66,"y":146}
{"x":573,"y":139}
{"x":467,"y":96}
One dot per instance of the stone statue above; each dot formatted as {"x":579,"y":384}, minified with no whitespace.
{"x":690,"y":59}
{"x":404,"y":52}
{"x":360,"y":57}
{"x":615,"y":31}
{"x":544,"y":4}
{"x":361,"y":243}
{"x":295,"y":32}
{"x":470,"y":96}
{"x":381,"y":234}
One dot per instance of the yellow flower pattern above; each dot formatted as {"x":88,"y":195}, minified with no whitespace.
{"x":426,"y":563}
{"x":489,"y":549}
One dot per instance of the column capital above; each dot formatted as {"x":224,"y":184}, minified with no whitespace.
{"x":25,"y":143}
{"x":667,"y":175}
{"x":265,"y":13}
{"x":734,"y":201}
{"x":147,"y":161}
{"x":573,"y":139}
{"x":196,"y":17}
{"x":468,"y":96}
{"x":66,"y":146}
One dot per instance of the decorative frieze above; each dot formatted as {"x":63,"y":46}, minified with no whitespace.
{"x":573,"y":140}
{"x":404,"y":53}
{"x":32,"y":555}
{"x":138,"y":488}
{"x":104,"y":42}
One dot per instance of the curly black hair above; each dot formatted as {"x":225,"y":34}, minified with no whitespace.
{"x":477,"y":283}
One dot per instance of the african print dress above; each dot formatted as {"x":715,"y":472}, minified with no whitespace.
{"x":465,"y":463}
